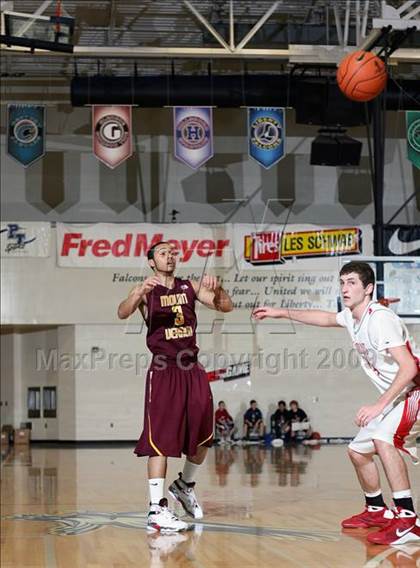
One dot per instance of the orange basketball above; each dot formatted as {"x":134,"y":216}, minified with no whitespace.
{"x":361,"y":76}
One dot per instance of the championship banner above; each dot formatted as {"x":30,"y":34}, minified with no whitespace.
{"x":266,"y":135}
{"x":25,"y":239}
{"x":26,"y":133}
{"x":112,"y":134}
{"x":401,"y":240}
{"x":413,"y":136}
{"x":193,"y":135}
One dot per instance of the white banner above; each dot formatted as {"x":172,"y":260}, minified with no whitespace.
{"x":24,"y":239}
{"x":240,"y":246}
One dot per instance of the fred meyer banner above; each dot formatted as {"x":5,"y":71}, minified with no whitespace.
{"x":266,"y":135}
{"x":23,"y":240}
{"x":413,"y":136}
{"x":193,"y":135}
{"x":112,"y":134}
{"x":209,"y":246}
{"x":26,"y":133}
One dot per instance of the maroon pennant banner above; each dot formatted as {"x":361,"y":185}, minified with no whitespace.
{"x":112,"y":134}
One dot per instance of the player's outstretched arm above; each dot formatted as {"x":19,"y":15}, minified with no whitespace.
{"x":136,"y":297}
{"x":311,"y":317}
{"x":210,"y":293}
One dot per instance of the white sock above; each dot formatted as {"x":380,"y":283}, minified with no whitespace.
{"x":189,"y":472}
{"x":156,"y":487}
{"x":376,"y":494}
{"x":404,"y":494}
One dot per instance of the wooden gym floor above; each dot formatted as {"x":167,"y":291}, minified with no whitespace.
{"x":71,"y":507}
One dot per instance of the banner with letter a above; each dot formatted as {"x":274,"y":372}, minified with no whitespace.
{"x":193,"y":135}
{"x":266,"y":135}
{"x":112,"y":134}
{"x":26,"y":133}
{"x":413,"y":136}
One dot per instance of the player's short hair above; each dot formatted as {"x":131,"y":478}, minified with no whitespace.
{"x":252,"y":401}
{"x":221,"y":402}
{"x":152,"y":249}
{"x":363,"y":269}
{"x":293,"y":402}
{"x":281,"y":402}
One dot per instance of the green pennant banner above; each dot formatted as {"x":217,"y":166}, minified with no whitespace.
{"x":413,"y":136}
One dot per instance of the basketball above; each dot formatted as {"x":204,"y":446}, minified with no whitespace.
{"x":361,"y":76}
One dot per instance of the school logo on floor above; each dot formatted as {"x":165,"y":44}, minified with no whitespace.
{"x":77,"y":523}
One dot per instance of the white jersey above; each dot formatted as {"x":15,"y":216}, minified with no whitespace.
{"x":378,"y":329}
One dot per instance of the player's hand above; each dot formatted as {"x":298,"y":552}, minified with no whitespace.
{"x":262,"y":313}
{"x":209,"y":282}
{"x":368,"y":413}
{"x":147,"y":286}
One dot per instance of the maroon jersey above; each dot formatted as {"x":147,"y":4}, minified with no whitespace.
{"x":171,"y":322}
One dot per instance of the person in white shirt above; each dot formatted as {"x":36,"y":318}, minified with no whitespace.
{"x":391,"y":425}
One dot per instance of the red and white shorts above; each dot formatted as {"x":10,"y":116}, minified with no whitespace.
{"x":399,"y":425}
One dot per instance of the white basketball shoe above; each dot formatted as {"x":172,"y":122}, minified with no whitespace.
{"x":184,"y":493}
{"x":160,"y":518}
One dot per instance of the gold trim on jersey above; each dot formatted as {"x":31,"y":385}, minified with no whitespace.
{"x":206,"y":440}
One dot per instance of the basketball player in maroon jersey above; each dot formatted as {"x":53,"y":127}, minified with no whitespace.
{"x":178,"y":414}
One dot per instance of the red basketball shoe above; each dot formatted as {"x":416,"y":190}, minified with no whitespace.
{"x":404,"y":528}
{"x":371,"y":517}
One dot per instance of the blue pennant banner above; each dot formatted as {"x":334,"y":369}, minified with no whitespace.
{"x":266,"y":135}
{"x":26,"y":133}
{"x":193,"y":135}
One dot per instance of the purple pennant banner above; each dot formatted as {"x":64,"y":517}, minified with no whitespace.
{"x":193,"y":135}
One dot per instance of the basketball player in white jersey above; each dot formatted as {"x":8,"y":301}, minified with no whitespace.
{"x":390,"y":426}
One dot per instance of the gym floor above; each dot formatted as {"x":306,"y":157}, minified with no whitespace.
{"x":72,"y":506}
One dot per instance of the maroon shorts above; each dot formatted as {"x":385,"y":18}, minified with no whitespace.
{"x":178,"y":412}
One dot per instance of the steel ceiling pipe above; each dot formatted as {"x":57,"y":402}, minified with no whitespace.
{"x":228,"y":91}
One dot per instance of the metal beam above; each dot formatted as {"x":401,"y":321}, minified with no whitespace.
{"x":306,"y":53}
{"x":257,"y":26}
{"x":338,"y":24}
{"x":358,"y":25}
{"x":365,"y":18}
{"x":111,"y":27}
{"x":347,"y":23}
{"x":370,"y":40}
{"x":206,"y":24}
{"x":231,"y":26}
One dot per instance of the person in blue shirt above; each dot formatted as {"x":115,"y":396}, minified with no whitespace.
{"x":253,"y":422}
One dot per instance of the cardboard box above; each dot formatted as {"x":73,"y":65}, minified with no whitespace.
{"x":22,"y":436}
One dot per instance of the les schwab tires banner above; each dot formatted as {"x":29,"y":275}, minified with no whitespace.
{"x":205,"y":246}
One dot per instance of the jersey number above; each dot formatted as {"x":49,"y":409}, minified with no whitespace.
{"x":179,"y":315}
